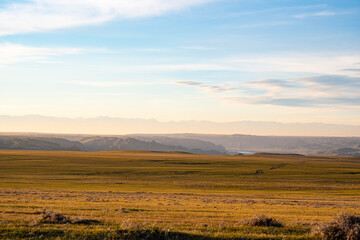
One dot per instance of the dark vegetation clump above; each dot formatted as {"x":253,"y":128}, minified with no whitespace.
{"x":135,"y":234}
{"x":54,"y":218}
{"x":263,"y":221}
{"x":343,"y":227}
{"x":157,"y":234}
{"x":86,"y":221}
{"x":58,"y":218}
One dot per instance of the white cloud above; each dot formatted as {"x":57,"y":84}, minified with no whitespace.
{"x":174,"y":67}
{"x":269,"y":10}
{"x":331,"y":91}
{"x":115,"y":84}
{"x":219,"y":88}
{"x":199,"y":48}
{"x":295,"y":63}
{"x":325,"y":86}
{"x":317,"y":91}
{"x":263,"y":24}
{"x":186,"y":67}
{"x":282,"y":63}
{"x":306,"y":64}
{"x":13,"y":53}
{"x":44,"y":15}
{"x":323,"y":14}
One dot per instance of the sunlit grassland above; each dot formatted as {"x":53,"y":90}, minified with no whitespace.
{"x":192,"y":194}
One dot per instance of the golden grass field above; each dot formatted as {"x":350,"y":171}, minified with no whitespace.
{"x":150,"y":195}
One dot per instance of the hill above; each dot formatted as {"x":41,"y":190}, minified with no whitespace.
{"x":339,"y":146}
{"x":115,"y":143}
{"x":49,"y":144}
{"x":195,"y":143}
{"x":97,"y":143}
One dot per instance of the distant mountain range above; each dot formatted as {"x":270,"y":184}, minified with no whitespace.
{"x":190,"y":143}
{"x":119,"y":126}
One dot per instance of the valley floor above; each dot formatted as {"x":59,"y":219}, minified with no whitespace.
{"x":150,"y":195}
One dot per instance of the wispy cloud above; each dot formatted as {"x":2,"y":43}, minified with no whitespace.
{"x":182,"y":67}
{"x":295,"y":63}
{"x":210,"y":88}
{"x":262,"y":24}
{"x":198,"y":48}
{"x":352,"y":70}
{"x":278,"y":9}
{"x":323,"y":14}
{"x":115,"y":83}
{"x":316,"y":91}
{"x":13,"y":53}
{"x":298,"y":102}
{"x":305,"y":63}
{"x":44,"y":15}
{"x":300,"y":63}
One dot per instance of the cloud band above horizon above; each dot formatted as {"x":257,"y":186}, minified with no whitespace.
{"x":44,"y":15}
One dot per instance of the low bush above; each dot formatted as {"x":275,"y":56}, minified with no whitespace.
{"x":343,"y":227}
{"x":54,"y":218}
{"x":58,"y":218}
{"x":262,"y":220}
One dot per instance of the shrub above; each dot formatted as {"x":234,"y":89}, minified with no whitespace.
{"x":354,"y":233}
{"x":58,"y":218}
{"x":343,"y":227}
{"x":262,"y":220}
{"x":54,"y":218}
{"x":155,"y":234}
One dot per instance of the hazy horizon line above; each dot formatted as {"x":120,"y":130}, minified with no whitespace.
{"x":174,"y":121}
{"x":115,"y":126}
{"x":129,"y":135}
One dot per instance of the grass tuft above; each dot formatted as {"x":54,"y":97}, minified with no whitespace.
{"x":54,"y":218}
{"x":262,"y":221}
{"x":58,"y":218}
{"x":343,"y":227}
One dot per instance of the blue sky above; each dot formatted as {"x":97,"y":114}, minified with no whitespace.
{"x":216,"y":60}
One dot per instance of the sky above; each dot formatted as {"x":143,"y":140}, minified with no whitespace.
{"x":217,"y":60}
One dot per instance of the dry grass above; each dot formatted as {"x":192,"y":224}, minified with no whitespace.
{"x":344,"y":227}
{"x":192,"y":196}
{"x":51,"y":217}
{"x":54,"y":218}
{"x":262,"y":221}
{"x":85,"y":221}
